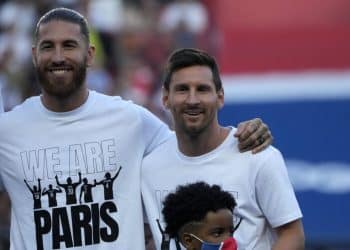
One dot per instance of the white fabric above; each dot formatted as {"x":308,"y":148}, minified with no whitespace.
{"x":259,"y":183}
{"x":106,"y":15}
{"x":101,"y":136}
{"x":193,"y":15}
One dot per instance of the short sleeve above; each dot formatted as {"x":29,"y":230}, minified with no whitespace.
{"x":154,"y":131}
{"x":274,"y":191}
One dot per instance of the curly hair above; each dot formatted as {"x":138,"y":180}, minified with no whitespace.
{"x":191,"y":203}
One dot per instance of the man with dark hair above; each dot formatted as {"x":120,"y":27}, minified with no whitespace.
{"x":68,"y":130}
{"x":203,"y":150}
{"x":67,"y":15}
{"x":200,"y":216}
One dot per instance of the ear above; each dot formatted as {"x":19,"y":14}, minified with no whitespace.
{"x":165,"y":98}
{"x":91,"y":55}
{"x":187,"y":241}
{"x":221,"y":98}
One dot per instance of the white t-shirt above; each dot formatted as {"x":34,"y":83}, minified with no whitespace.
{"x":260,"y":184}
{"x":102,"y":209}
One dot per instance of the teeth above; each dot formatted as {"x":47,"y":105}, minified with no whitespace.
{"x":193,"y":113}
{"x":59,"y":71}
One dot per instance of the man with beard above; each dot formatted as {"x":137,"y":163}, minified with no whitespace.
{"x":204,"y":150}
{"x":69,"y":130}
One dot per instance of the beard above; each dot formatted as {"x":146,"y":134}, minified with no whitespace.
{"x":57,"y":89}
{"x":194,"y":129}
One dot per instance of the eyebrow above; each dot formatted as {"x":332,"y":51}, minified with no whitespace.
{"x":64,"y":41}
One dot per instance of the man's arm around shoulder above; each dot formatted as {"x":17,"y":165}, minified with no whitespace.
{"x":290,"y":236}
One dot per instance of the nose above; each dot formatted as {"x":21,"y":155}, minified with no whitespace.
{"x":58,"y":55}
{"x":192,"y":97}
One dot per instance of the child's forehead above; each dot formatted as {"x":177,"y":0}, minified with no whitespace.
{"x":223,"y":215}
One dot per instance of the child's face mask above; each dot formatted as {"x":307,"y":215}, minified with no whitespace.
{"x":228,"y":244}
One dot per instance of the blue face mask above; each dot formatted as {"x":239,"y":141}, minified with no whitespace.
{"x":228,"y":244}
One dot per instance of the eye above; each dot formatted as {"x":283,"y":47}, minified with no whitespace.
{"x":70,"y":45}
{"x":45,"y":46}
{"x":204,"y":88}
{"x":180,"y":88}
{"x":217,"y":232}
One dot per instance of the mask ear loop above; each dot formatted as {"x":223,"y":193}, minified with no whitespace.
{"x":196,"y":237}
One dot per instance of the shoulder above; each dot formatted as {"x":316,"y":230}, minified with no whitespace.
{"x":116,"y":102}
{"x":270,"y":153}
{"x":20,"y":112}
{"x":267,"y":160}
{"x":165,"y":149}
{"x":109,"y":100}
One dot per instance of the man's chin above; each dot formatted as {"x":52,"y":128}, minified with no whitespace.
{"x":193,"y":130}
{"x":60,"y":92}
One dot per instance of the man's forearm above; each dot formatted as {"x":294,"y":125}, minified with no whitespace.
{"x":290,"y":237}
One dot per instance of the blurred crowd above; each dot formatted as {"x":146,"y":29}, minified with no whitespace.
{"x":133,"y":38}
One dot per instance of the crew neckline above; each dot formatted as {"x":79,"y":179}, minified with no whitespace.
{"x":85,"y":106}
{"x":200,"y":158}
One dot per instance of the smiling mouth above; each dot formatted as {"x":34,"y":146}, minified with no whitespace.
{"x":192,"y":112}
{"x":59,"y":71}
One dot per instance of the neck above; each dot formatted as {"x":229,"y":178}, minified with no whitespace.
{"x":203,"y":142}
{"x":66,"y":103}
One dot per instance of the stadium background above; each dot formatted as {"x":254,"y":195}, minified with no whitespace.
{"x":287,"y":62}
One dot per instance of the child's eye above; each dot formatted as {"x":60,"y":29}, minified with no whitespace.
{"x":217,"y":233}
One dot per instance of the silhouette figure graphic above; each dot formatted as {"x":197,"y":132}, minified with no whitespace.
{"x":36,"y":194}
{"x":86,"y":189}
{"x":165,"y":245}
{"x":70,"y":189}
{"x":108,"y":184}
{"x":51,"y":194}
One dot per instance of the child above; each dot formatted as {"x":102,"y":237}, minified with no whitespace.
{"x":200,"y":217}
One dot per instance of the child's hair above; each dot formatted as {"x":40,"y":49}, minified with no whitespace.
{"x":191,"y":203}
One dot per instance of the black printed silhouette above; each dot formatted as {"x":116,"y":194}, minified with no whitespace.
{"x":177,"y":244}
{"x":165,"y":245}
{"x":70,"y":189}
{"x":108,"y":184}
{"x":36,"y":194}
{"x":86,"y":188}
{"x":51,"y":194}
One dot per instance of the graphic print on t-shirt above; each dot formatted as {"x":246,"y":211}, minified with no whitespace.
{"x":51,"y":194}
{"x":36,"y":191}
{"x":86,"y":189}
{"x":70,"y":188}
{"x":66,"y":210}
{"x":108,"y":184}
{"x":165,"y":245}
